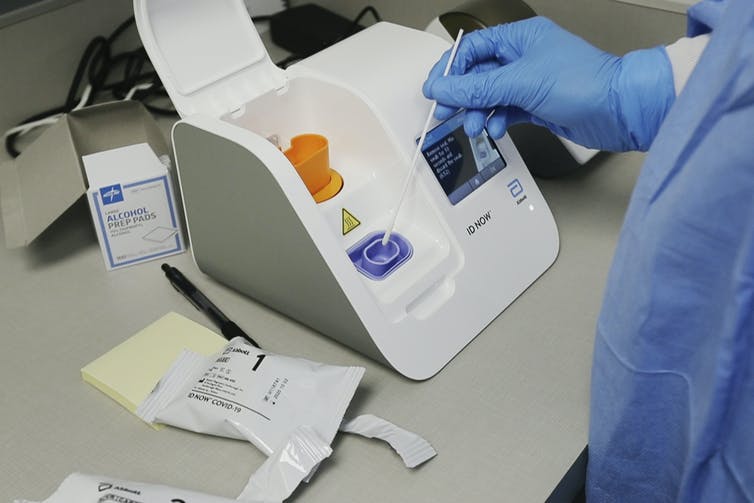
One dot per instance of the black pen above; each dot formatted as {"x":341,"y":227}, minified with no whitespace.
{"x":202,"y":303}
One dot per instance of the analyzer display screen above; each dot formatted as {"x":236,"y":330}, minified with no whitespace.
{"x":461,"y":164}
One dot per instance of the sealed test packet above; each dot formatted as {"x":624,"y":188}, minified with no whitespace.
{"x":83,"y":488}
{"x":273,"y":482}
{"x":247,"y":393}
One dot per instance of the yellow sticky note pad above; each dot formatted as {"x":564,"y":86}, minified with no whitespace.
{"x":131,"y":370}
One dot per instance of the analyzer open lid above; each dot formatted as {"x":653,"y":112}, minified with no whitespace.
{"x":207,"y":53}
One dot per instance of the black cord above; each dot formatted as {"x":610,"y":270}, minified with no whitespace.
{"x":93,"y":48}
{"x":11,"y":138}
{"x":98,"y":65}
{"x":366,"y":10}
{"x":97,"y":68}
{"x":286,"y":62}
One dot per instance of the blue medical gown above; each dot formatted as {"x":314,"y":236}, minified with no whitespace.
{"x":672,"y":413}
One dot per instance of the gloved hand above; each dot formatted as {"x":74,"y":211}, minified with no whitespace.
{"x":535,"y":71}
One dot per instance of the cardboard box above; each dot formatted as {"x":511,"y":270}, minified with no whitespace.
{"x":133,"y":205}
{"x":48,"y":177}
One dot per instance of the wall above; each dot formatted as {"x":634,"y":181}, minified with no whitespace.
{"x":39,"y":55}
{"x":12,"y":11}
{"x":611,"y":25}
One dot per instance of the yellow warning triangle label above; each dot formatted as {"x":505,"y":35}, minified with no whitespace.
{"x":350,"y":222}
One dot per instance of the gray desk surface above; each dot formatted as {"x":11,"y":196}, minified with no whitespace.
{"x":507,"y":416}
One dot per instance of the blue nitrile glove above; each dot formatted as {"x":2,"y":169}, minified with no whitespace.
{"x":535,"y":71}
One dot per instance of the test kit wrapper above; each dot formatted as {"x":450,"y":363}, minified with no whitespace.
{"x":247,"y":393}
{"x":48,"y":177}
{"x":413,"y":449}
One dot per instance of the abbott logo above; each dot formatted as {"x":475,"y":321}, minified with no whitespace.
{"x":111,"y":194}
{"x":515,"y":188}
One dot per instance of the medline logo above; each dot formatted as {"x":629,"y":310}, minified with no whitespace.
{"x":111,"y":194}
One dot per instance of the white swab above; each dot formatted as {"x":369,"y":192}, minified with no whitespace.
{"x":419,"y":145}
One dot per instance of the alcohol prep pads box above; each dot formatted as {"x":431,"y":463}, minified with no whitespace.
{"x":133,"y":206}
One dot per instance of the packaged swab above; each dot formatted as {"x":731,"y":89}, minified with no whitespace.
{"x":247,"y":393}
{"x":273,"y":482}
{"x":82,"y":488}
